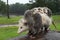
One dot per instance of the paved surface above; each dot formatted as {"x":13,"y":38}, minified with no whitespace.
{"x":7,"y":25}
{"x":51,"y":35}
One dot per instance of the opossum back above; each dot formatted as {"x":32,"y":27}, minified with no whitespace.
{"x":46,"y":19}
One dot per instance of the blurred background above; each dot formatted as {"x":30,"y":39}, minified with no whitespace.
{"x":13,"y":10}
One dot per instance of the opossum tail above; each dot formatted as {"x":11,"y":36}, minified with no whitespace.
{"x":54,"y":24}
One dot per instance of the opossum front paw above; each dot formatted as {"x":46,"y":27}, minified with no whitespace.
{"x":32,"y":37}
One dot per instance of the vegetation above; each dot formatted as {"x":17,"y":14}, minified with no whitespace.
{"x":56,"y":19}
{"x":19,"y":9}
{"x":15,"y":9}
{"x":2,"y":7}
{"x":12,"y":20}
{"x":9,"y":32}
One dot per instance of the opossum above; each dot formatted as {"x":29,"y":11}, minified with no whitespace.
{"x":40,"y":23}
{"x":29,"y":17}
{"x":24,"y":25}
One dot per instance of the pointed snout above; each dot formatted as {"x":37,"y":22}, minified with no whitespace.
{"x":21,"y":31}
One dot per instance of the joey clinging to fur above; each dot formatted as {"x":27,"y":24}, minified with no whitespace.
{"x":28,"y":15}
{"x":34,"y":21}
{"x":45,"y":14}
{"x":46,"y":17}
{"x":47,"y":11}
{"x":38,"y":22}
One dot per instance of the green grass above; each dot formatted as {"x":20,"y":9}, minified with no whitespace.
{"x":10,"y":32}
{"x":57,"y":25}
{"x":56,"y":19}
{"x":12,"y":20}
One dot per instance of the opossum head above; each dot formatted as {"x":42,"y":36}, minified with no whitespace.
{"x":34,"y":9}
{"x":22,"y":29}
{"x":47,"y":11}
{"x":22,"y":26}
{"x":28,"y":13}
{"x":38,"y":9}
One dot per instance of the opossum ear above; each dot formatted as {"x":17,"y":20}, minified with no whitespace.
{"x":33,"y":10}
{"x":49,"y":12}
{"x":28,"y":13}
{"x":39,"y":9}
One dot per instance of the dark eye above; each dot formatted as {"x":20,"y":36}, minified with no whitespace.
{"x":39,"y":9}
{"x":21,"y":27}
{"x":25,"y":23}
{"x":35,"y":9}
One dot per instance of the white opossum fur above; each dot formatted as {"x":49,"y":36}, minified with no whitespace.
{"x":45,"y":19}
{"x":22,"y":26}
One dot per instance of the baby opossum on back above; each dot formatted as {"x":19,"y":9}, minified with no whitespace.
{"x":45,"y":13}
{"x":46,"y":21}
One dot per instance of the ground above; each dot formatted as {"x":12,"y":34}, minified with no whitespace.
{"x":50,"y":35}
{"x":10,"y":32}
